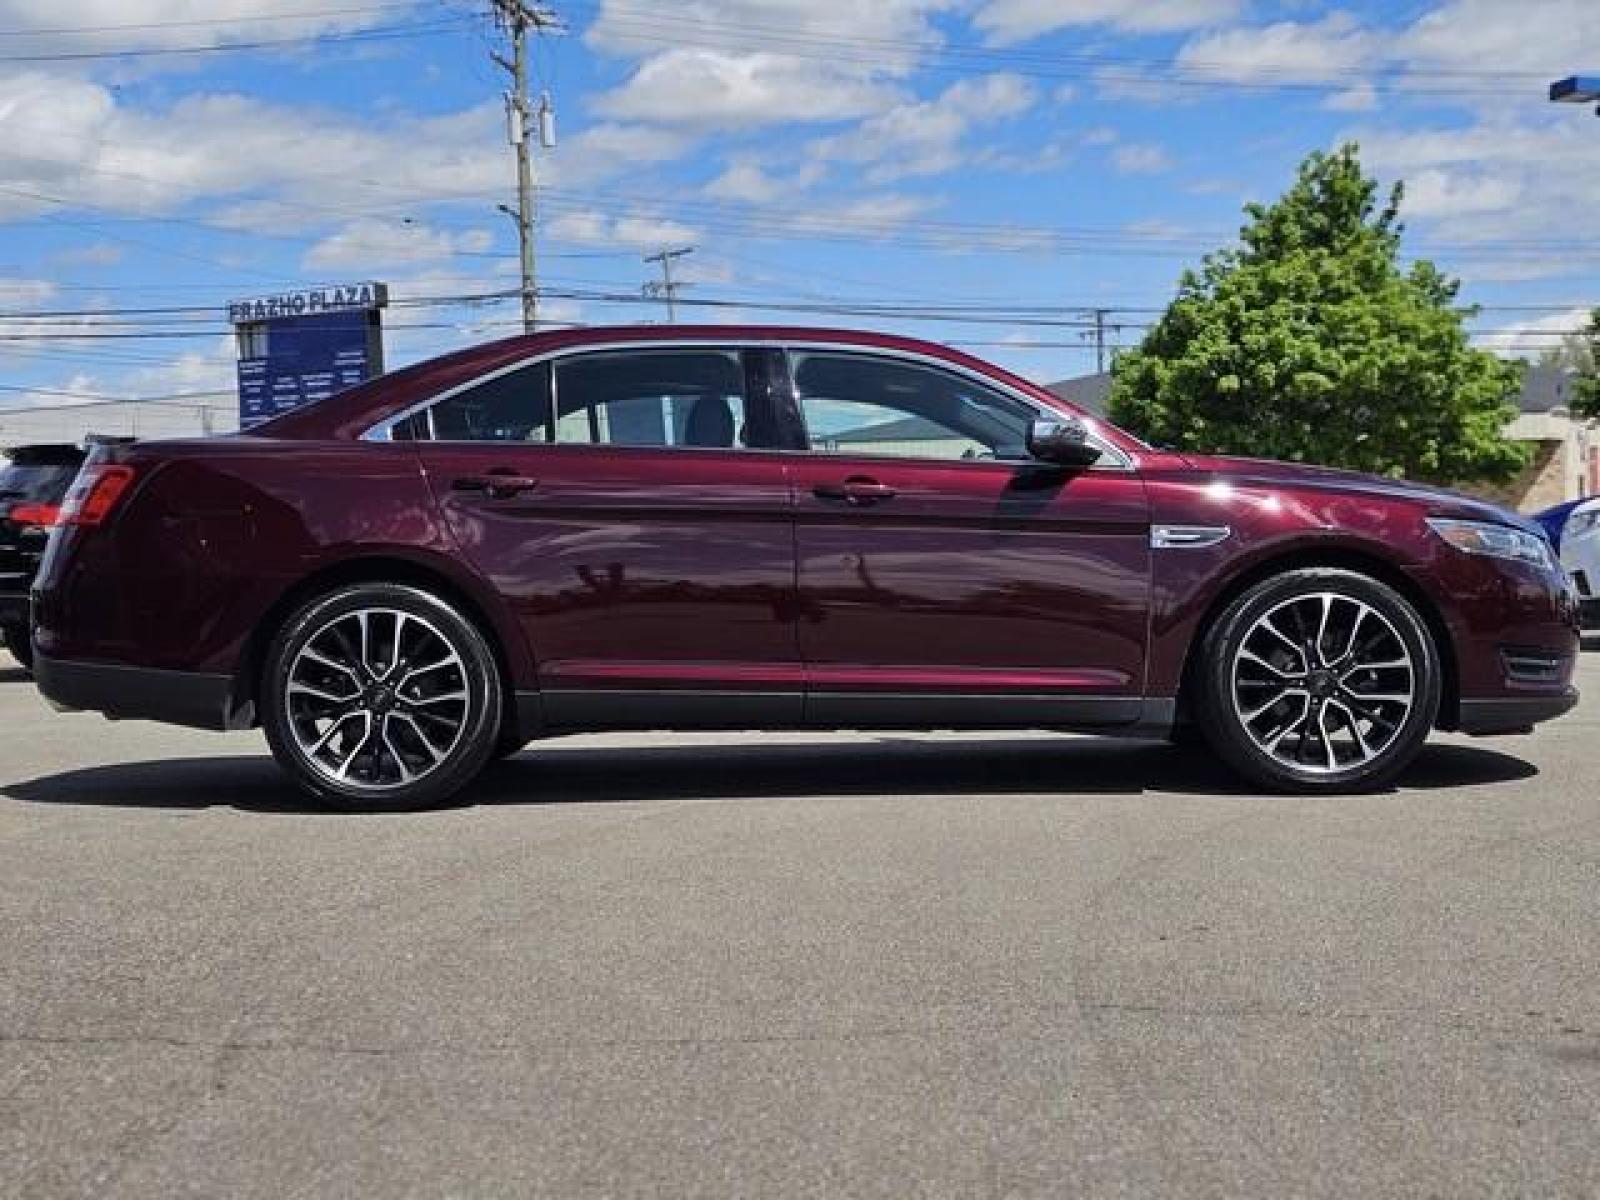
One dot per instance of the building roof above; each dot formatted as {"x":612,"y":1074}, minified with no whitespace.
{"x":1544,"y":389}
{"x":1092,"y":393}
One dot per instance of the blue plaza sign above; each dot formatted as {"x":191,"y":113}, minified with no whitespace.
{"x":301,"y":347}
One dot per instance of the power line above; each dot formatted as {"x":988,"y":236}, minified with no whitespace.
{"x":892,"y":53}
{"x":398,"y":32}
{"x":197,"y":22}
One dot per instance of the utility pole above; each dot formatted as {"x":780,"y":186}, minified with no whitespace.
{"x":1098,"y":335}
{"x":517,"y":18}
{"x":668,"y":287}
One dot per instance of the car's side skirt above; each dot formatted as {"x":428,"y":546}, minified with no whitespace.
{"x":569,"y":710}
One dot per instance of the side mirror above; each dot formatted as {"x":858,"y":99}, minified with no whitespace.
{"x":1063,"y":440}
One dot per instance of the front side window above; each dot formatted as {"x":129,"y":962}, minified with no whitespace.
{"x":859,"y":404}
{"x":685,"y":398}
{"x":513,"y":407}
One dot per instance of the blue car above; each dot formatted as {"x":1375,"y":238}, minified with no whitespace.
{"x":1554,"y":520}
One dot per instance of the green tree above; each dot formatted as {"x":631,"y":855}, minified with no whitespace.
{"x":1309,"y":342}
{"x":1584,"y":350}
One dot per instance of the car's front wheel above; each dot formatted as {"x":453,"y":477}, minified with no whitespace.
{"x":381,"y":696}
{"x":1319,"y":680}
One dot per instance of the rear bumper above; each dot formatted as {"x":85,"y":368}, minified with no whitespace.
{"x":140,"y":693}
{"x":1514,"y":714}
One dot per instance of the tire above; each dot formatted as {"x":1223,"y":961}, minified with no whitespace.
{"x":365,"y":725}
{"x":1354,"y":670}
{"x":1187,"y":737}
{"x":509,"y":744}
{"x":20,"y":645}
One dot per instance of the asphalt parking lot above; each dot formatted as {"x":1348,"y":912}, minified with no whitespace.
{"x":764,"y":966}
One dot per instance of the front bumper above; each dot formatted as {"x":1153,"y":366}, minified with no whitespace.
{"x":1514,"y":714}
{"x":141,"y":693}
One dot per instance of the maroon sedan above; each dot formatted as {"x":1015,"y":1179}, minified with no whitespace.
{"x":773,"y":528}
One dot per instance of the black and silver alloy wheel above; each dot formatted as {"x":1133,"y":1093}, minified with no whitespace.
{"x":377,"y":697}
{"x":381,"y":696}
{"x":1319,"y":680}
{"x":1323,"y":682}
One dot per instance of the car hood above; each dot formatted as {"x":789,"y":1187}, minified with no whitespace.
{"x":1440,"y":501}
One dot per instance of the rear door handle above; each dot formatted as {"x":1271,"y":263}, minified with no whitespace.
{"x":497,"y":485}
{"x":858,"y":490}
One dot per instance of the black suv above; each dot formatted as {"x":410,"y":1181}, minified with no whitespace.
{"x":33,"y":482}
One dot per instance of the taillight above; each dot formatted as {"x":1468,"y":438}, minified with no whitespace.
{"x":94,"y":494}
{"x":34,"y":516}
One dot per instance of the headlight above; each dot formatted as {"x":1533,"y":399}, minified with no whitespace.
{"x":1497,"y":541}
{"x":1581,"y":522}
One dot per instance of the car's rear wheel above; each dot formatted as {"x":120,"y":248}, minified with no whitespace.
{"x":381,"y":696}
{"x":1319,"y":680}
{"x":20,"y":644}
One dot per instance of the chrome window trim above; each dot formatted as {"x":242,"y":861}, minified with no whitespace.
{"x":1112,"y":458}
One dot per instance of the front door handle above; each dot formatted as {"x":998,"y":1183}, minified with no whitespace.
{"x":499,"y":484}
{"x":858,"y":490}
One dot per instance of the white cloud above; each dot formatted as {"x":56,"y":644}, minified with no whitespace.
{"x":78,"y":389}
{"x":608,"y":149}
{"x":272,"y":168}
{"x":1361,"y":98}
{"x":214,"y":369}
{"x":927,"y":137}
{"x":1552,"y":37}
{"x":95,"y":254}
{"x":1530,"y":339}
{"x":1008,"y":21}
{"x":1504,"y":196}
{"x":749,"y":64}
{"x":623,"y":27}
{"x":145,"y":24}
{"x":72,"y":139}
{"x":1318,"y":52}
{"x":370,"y":243}
{"x":640,"y":231}
{"x":1441,"y":193}
{"x":1141,"y":158}
{"x":747,"y":182}
{"x":706,"y":89}
{"x":26,"y":293}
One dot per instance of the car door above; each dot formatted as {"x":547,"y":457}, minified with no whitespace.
{"x":943,"y":574}
{"x":624,"y":505}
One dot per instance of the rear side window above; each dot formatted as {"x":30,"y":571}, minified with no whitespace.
{"x":688,"y":398}
{"x":514,"y":407}
{"x":45,"y":483}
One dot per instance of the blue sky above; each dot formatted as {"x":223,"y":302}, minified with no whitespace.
{"x":1020,"y":160}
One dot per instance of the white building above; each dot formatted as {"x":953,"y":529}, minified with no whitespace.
{"x":193,"y":416}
